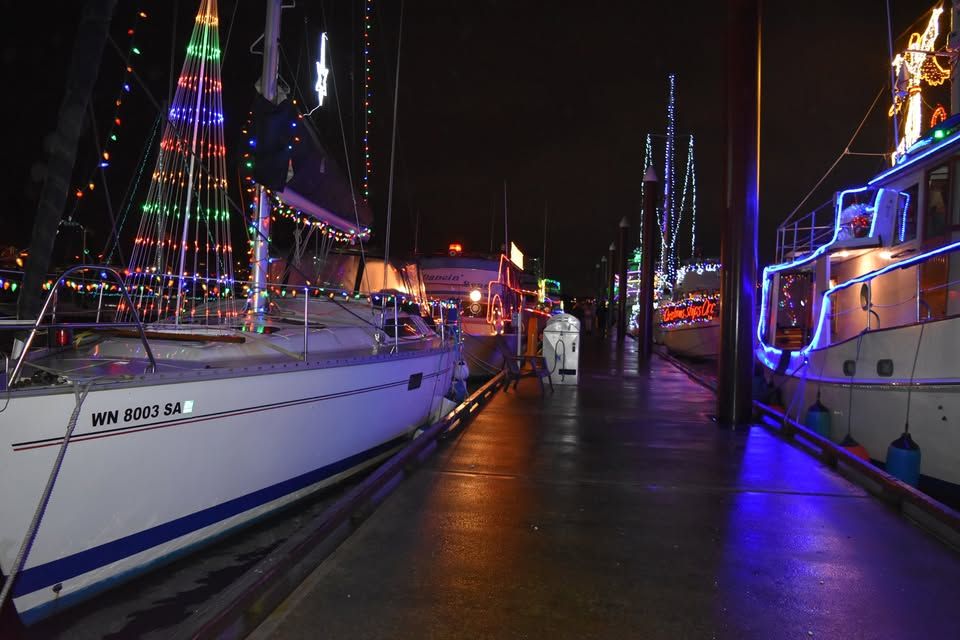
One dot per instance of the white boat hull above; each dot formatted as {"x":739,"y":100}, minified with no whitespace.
{"x":156,"y":468}
{"x":876,"y":405}
{"x":693,"y":341}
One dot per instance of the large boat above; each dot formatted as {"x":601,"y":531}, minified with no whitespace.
{"x":862,"y":310}
{"x":486,"y":290}
{"x":199,"y":409}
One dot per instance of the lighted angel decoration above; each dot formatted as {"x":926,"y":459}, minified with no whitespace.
{"x":914,"y":66}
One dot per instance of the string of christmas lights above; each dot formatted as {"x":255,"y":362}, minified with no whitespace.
{"x":669,"y":210}
{"x":184,"y":228}
{"x":367,"y":96}
{"x":112,"y":134}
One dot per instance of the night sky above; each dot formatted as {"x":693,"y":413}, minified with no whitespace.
{"x":555,"y":98}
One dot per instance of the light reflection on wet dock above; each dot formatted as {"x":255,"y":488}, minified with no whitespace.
{"x":618,"y":509}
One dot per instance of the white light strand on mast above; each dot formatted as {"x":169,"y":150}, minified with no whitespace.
{"x":689,"y":184}
{"x":647,"y":161}
{"x":692,"y":168}
{"x":669,"y":208}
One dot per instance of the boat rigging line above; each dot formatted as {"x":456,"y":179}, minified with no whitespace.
{"x":846,"y":151}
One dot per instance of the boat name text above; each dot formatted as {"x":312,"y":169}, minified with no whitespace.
{"x":133,"y":414}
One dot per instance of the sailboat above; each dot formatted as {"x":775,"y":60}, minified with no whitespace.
{"x":686,"y":292}
{"x":209,"y":402}
{"x":861,"y":312}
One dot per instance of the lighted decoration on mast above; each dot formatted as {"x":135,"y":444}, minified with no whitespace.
{"x":917,"y":64}
{"x":367,"y":92}
{"x":322,"y":71}
{"x":183,"y":255}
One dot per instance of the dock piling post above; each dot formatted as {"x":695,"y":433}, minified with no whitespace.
{"x":648,"y":223}
{"x":738,"y":240}
{"x":624,"y":230}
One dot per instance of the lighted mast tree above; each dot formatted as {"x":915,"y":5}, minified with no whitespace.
{"x":183,"y":255}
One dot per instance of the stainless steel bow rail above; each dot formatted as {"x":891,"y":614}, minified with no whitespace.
{"x":248,"y":601}
{"x":50,"y":305}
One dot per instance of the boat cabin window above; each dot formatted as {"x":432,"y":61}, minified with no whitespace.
{"x":907,"y":216}
{"x":794,"y":318}
{"x":938,"y":202}
{"x":408,"y":328}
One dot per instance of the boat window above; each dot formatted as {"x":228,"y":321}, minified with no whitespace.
{"x":907,"y":215}
{"x":794,"y":310}
{"x":938,"y":200}
{"x":934,"y":284}
{"x":408,"y":328}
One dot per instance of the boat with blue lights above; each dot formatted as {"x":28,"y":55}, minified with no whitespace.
{"x":861,"y":312}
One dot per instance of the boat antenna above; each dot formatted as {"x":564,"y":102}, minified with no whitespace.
{"x":543,"y":261}
{"x":393,"y":148}
{"x":893,"y":81}
{"x":506,"y":244}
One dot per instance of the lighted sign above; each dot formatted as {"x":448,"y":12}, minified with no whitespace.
{"x":689,"y":311}
{"x":322,"y":71}
{"x":516,"y":256}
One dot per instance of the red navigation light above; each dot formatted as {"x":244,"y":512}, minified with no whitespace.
{"x":455,"y":249}
{"x":63,"y":337}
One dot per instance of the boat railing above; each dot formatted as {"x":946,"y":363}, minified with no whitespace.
{"x":132,"y":304}
{"x":801,"y":235}
{"x":893,"y":295}
{"x":49,"y":304}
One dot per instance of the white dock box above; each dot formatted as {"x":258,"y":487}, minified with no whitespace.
{"x":561,"y":348}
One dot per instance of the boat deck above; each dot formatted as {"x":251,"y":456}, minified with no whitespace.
{"x":618,"y":509}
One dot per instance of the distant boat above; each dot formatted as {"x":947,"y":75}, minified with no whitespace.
{"x":216,"y":410}
{"x":688,"y":323}
{"x":486,"y":290}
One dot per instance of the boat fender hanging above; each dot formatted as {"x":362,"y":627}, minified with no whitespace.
{"x":855,"y":448}
{"x":461,"y":371}
{"x":818,"y":418}
{"x":459,"y":391}
{"x":903,"y":459}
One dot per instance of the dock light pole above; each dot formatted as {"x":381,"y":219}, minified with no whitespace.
{"x":602,"y":301}
{"x":648,"y":225}
{"x":738,"y":239}
{"x":622,"y":306}
{"x":611,"y":264}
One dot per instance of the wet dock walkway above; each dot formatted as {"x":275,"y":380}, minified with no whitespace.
{"x":618,"y":509}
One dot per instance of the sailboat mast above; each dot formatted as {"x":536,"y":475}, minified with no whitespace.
{"x":181,"y":264}
{"x":268,"y":87}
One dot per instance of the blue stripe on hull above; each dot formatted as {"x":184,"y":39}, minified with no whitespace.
{"x":50,"y":573}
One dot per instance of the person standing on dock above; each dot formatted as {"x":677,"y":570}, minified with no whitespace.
{"x":588,"y":317}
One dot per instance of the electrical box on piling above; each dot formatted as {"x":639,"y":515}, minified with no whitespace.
{"x":561,"y":348}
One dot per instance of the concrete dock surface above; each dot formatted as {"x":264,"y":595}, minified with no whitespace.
{"x":617,"y":508}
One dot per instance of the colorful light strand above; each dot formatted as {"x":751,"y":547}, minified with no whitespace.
{"x":185,"y":223}
{"x":112,"y":137}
